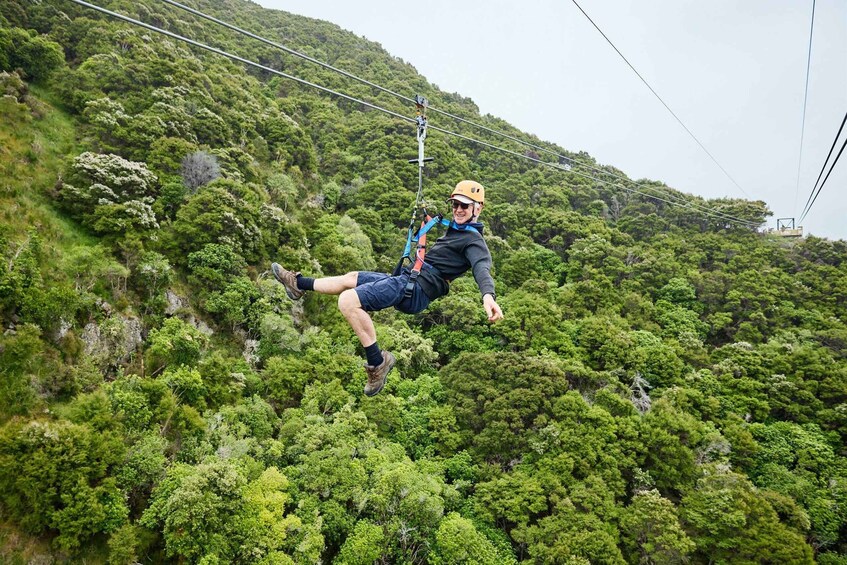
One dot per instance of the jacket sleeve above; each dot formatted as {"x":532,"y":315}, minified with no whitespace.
{"x":477,"y":254}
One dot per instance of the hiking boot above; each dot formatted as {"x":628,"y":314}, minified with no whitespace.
{"x":288,"y":280}
{"x":379,"y":374}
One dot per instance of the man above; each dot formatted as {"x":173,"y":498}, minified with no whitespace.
{"x":461,"y":249}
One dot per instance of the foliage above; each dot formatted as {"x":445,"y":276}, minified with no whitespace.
{"x":457,"y":541}
{"x":211,"y":511}
{"x":652,"y":532}
{"x":217,"y":215}
{"x":664,"y":388}
{"x":110,"y":194}
{"x":497,"y":415}
{"x":35,"y":54}
{"x":175,"y":343}
{"x":19,"y":358}
{"x":55,"y":476}
{"x":731,"y":521}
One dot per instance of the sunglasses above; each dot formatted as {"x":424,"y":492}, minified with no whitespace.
{"x":462,"y":205}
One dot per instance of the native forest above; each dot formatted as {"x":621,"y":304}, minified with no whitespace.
{"x":667,"y":386}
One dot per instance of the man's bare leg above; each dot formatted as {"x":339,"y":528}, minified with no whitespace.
{"x":379,"y":363}
{"x":337,"y":285}
{"x":382,"y":362}
{"x":348,"y":303}
{"x":359,"y":320}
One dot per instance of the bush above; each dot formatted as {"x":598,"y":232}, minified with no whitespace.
{"x":68,"y":489}
{"x":175,"y":343}
{"x":214,"y":266}
{"x":20,"y":357}
{"x":35,"y":54}
{"x":110,"y":194}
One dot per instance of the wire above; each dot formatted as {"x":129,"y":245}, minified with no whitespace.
{"x":703,"y":147}
{"x":805,"y":101}
{"x":560,"y":167}
{"x":352,"y":76}
{"x":239,"y":59}
{"x":375,"y":107}
{"x":395,"y":114}
{"x":831,"y":167}
{"x":834,"y":142}
{"x":666,"y":192}
{"x":286,"y":49}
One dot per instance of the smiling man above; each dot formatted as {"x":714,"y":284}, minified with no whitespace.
{"x":461,"y":249}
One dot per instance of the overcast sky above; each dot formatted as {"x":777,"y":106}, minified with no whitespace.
{"x":732,"y":70}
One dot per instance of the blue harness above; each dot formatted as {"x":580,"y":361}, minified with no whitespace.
{"x":419,"y":238}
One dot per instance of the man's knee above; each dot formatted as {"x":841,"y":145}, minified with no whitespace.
{"x":348,"y":301}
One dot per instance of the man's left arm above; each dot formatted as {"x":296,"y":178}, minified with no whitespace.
{"x":479,"y":257}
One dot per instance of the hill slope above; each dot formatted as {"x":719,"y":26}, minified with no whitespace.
{"x":664,"y":387}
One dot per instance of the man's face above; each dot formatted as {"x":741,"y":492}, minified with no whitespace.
{"x":463,"y":212}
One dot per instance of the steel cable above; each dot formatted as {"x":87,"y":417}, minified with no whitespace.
{"x":823,"y":167}
{"x":805,"y":102}
{"x":656,"y":94}
{"x":378,"y":108}
{"x":666,"y":192}
{"x":831,"y":168}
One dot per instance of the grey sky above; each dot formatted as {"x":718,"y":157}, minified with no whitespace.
{"x":732,"y":70}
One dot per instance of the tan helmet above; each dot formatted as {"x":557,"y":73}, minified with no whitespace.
{"x":468,"y":191}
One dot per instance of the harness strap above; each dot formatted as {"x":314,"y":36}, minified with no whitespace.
{"x":420,"y":250}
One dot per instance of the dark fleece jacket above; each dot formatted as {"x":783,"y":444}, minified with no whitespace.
{"x":453,"y":254}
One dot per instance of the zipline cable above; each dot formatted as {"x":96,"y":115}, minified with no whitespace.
{"x":286,"y":49}
{"x":562,"y":168}
{"x":352,"y":76}
{"x":667,"y":192}
{"x":367,"y":104}
{"x":668,"y":108}
{"x":248,"y":62}
{"x":831,"y":167}
{"x":834,"y":142}
{"x":239,"y":59}
{"x":805,"y":101}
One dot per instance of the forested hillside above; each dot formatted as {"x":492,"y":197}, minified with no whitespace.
{"x":665,"y":387}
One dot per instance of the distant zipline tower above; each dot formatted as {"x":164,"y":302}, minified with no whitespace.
{"x":785,"y":228}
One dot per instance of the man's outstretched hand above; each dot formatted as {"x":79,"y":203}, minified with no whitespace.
{"x":492,"y":308}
